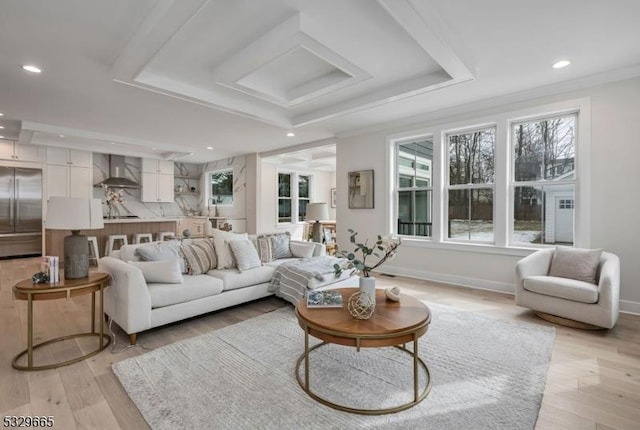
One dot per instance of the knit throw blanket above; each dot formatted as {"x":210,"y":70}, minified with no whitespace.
{"x":290,"y":281}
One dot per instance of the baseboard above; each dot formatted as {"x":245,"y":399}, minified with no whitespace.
{"x":626,"y":306}
{"x":629,"y":307}
{"x":479,"y":284}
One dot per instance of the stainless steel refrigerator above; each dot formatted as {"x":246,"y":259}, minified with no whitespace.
{"x":20,"y":211}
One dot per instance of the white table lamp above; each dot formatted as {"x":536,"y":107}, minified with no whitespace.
{"x":74,"y":214}
{"x":317,"y":212}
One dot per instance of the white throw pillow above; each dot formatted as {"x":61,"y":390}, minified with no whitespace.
{"x":302,"y":249}
{"x":163,"y":271}
{"x":245,"y":254}
{"x":221,"y":241}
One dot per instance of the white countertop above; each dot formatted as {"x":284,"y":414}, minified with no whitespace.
{"x":138,"y":220}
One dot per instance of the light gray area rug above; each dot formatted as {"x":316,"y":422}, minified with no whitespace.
{"x":486,"y":373}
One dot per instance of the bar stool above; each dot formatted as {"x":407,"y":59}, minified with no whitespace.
{"x":111,"y":241}
{"x":138,"y":238}
{"x":94,"y":255}
{"x":166,"y":235}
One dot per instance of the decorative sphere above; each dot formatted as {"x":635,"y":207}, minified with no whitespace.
{"x":186,"y":233}
{"x":361,"y":305}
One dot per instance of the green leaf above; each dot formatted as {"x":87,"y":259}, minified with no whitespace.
{"x":351,"y":256}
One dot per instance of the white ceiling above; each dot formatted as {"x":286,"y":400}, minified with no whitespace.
{"x":168,"y":78}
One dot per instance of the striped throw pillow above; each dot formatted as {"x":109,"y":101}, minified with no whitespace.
{"x":264,"y":248}
{"x":245,"y":254}
{"x":200,"y":256}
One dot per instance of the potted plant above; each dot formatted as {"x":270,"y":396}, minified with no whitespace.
{"x":382,"y":250}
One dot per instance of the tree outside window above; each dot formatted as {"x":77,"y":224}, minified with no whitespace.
{"x":471,"y":185}
{"x":284,"y":197}
{"x":221,"y":187}
{"x":544,"y":180}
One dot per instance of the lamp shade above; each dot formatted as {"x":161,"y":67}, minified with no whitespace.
{"x":74,"y":213}
{"x":317,"y":211}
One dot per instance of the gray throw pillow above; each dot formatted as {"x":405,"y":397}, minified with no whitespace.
{"x":161,"y":251}
{"x":280,"y":246}
{"x":200,"y":256}
{"x":576,"y":263}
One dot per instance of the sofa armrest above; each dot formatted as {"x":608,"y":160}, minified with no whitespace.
{"x":127,"y":300}
{"x":319,"y":248}
{"x":609,"y":281}
{"x":535,"y":264}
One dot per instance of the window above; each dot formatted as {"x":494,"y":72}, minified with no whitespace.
{"x":221,"y":187}
{"x":294,"y":193}
{"x":303,"y":195}
{"x":471,"y":189}
{"x":415,"y":191}
{"x":544,"y":180}
{"x":520,"y":181}
{"x":284,"y":197}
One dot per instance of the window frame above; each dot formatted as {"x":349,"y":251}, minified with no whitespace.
{"x":503,"y":208}
{"x":210,"y":187}
{"x":539,"y":182}
{"x":469,"y":186}
{"x":413,"y":188}
{"x":295,"y":195}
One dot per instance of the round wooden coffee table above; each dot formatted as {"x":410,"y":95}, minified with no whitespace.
{"x":392,"y":324}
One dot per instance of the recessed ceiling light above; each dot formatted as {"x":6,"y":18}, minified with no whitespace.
{"x":291,"y":134}
{"x":1,"y":114}
{"x":561,"y":64}
{"x":113,"y":143}
{"x":1,"y":127}
{"x":61,"y":135}
{"x":209,"y":148}
{"x":154,"y":149}
{"x":1,"y":137}
{"x":31,"y":68}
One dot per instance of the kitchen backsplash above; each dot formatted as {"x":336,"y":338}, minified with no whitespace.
{"x":183,"y":204}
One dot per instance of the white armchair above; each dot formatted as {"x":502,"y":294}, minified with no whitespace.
{"x":569,"y":299}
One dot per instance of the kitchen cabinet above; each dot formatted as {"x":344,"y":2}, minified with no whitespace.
{"x":157,"y":187}
{"x":69,"y":181}
{"x":151,"y":165}
{"x":157,"y":180}
{"x":69,"y":173}
{"x":10,"y":150}
{"x":68,"y":157}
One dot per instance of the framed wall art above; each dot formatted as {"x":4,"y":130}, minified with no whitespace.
{"x":361,"y":189}
{"x":334,"y":198}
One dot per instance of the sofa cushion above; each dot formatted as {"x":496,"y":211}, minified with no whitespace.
{"x":200,"y":256}
{"x":280,"y":245}
{"x":265,"y":251}
{"x":302,"y":249}
{"x":245,"y":254}
{"x":564,"y":288}
{"x":223,"y":251}
{"x":166,"y":272}
{"x":192,"y":288}
{"x":575,"y":263}
{"x":233,"y":279}
{"x":276,"y":263}
{"x":154,"y":251}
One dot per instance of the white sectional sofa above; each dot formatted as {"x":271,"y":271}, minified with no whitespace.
{"x":137,"y":305}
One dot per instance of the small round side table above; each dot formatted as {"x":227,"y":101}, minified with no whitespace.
{"x":66,"y":288}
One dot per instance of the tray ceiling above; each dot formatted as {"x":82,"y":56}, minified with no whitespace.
{"x":288,"y":63}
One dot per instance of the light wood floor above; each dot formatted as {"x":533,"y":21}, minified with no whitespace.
{"x":593,"y":380}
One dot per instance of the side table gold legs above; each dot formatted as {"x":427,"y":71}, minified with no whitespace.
{"x":103,"y":339}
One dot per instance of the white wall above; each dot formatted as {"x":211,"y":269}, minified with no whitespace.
{"x":615,"y":208}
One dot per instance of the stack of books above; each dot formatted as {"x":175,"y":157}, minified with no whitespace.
{"x":52,"y":264}
{"x":324,"y":299}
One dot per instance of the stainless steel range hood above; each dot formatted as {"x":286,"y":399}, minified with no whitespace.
{"x":116,"y":177}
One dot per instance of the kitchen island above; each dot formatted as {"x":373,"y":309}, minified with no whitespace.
{"x":130,"y":226}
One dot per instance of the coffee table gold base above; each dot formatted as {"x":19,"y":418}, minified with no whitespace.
{"x":418,"y":397}
{"x":101,"y":347}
